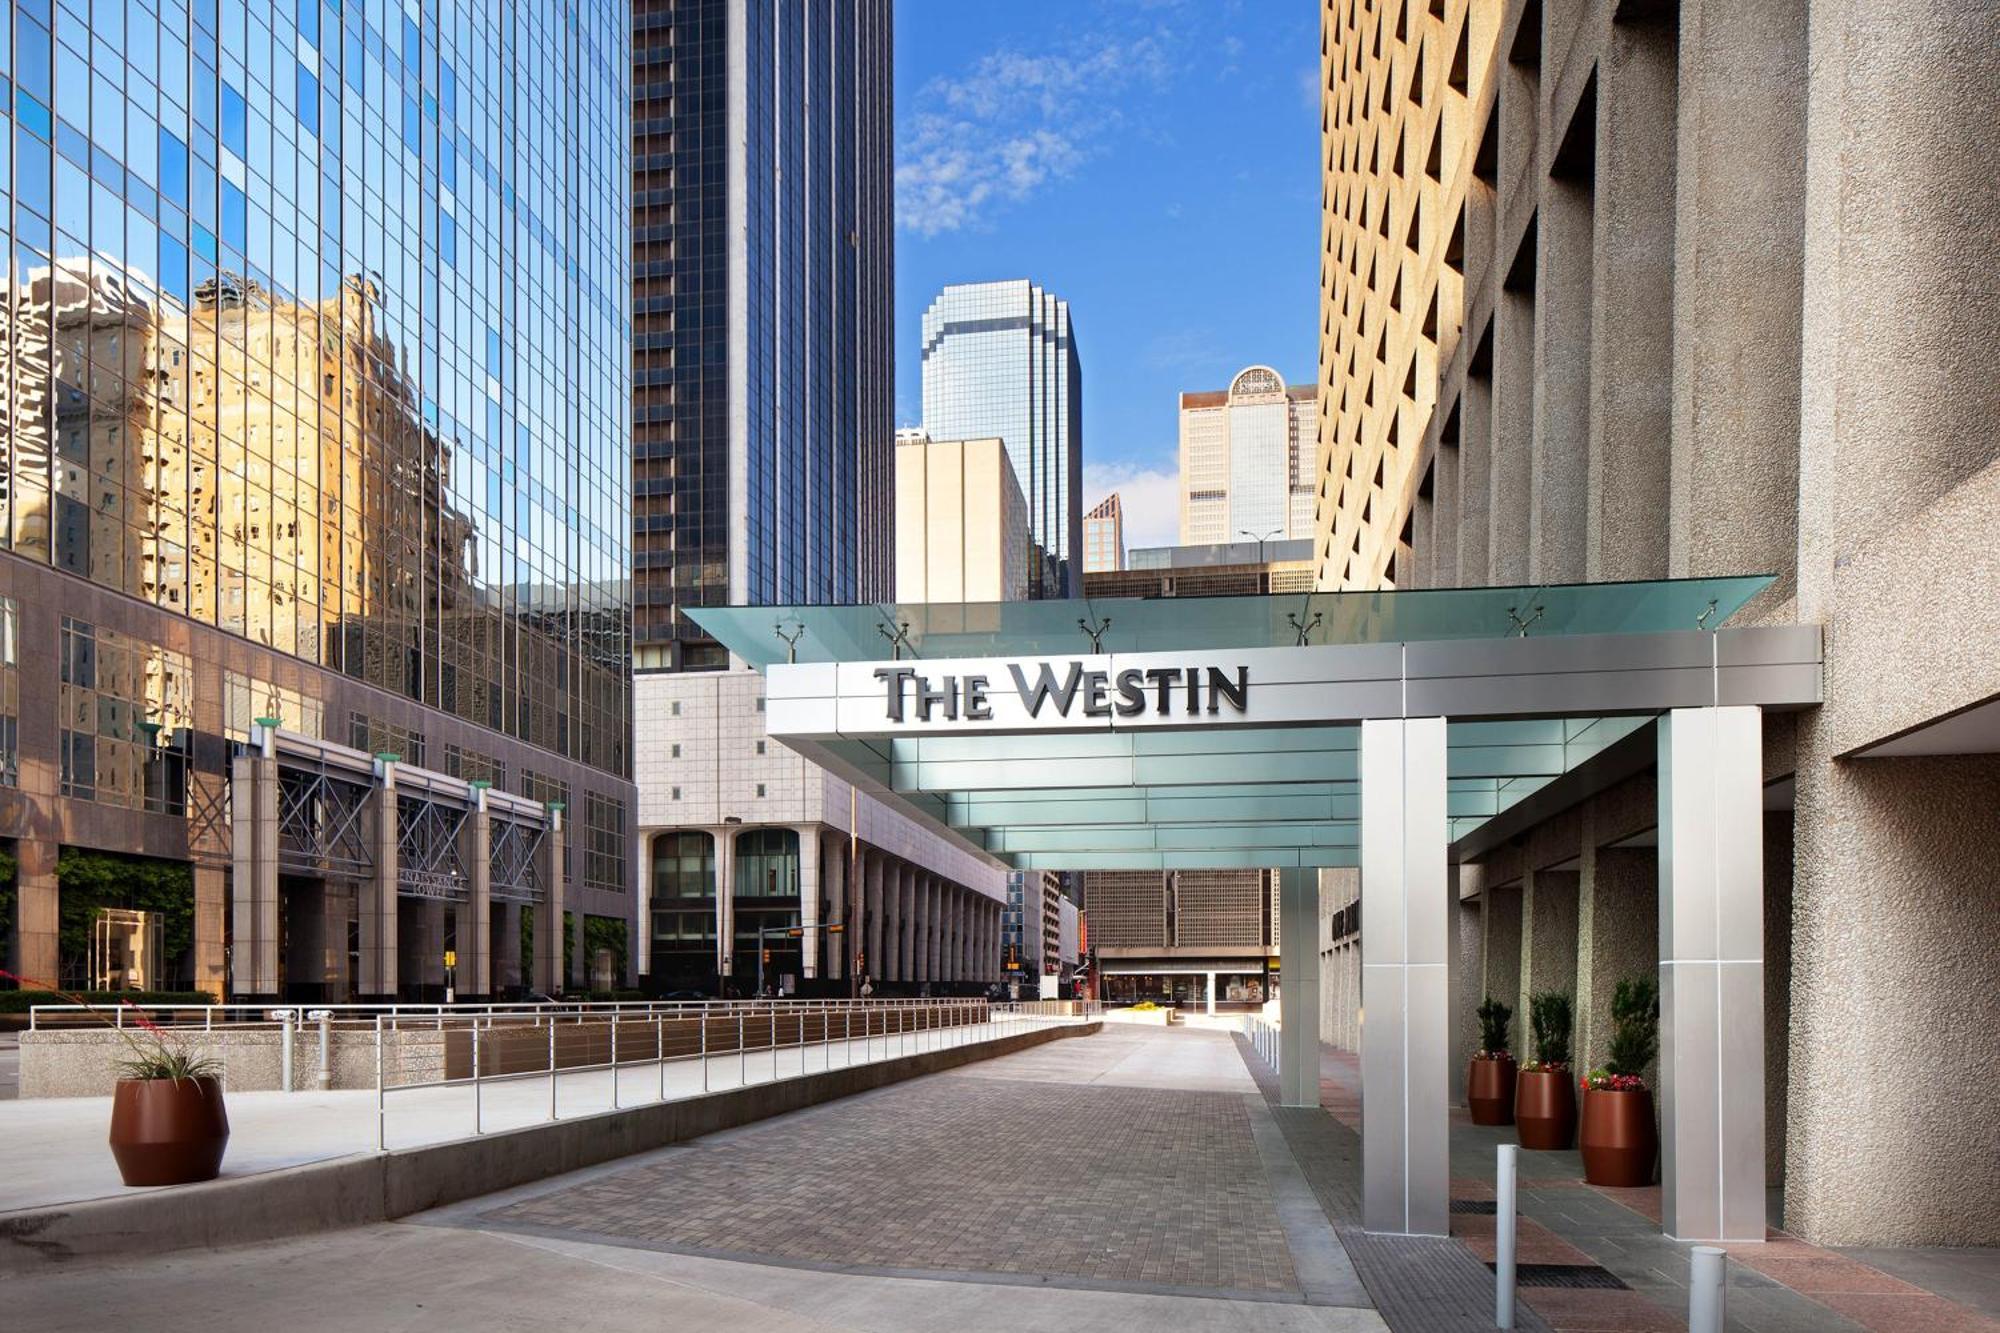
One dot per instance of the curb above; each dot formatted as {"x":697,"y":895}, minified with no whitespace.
{"x":380,"y":1187}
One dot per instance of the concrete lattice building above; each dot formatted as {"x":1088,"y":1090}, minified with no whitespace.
{"x":1620,"y":291}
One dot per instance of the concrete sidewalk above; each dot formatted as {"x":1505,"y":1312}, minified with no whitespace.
{"x":53,"y":1150}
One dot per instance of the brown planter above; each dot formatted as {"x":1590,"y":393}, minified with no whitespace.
{"x":1545,"y":1109}
{"x":1619,"y":1139}
{"x":168,"y":1132}
{"x":1489,"y":1090}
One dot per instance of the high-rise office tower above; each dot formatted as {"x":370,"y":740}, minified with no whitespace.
{"x":1104,"y":536}
{"x":1000,"y":361}
{"x":961,"y":523}
{"x":313,"y":381}
{"x":1248,"y":457}
{"x":763,"y":262}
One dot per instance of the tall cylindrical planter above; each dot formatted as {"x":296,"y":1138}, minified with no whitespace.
{"x":168,"y":1131}
{"x":1489,"y":1090}
{"x":1619,"y":1139}
{"x":1545,"y":1109}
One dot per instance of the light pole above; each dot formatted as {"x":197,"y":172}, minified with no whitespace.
{"x":1245,"y":532}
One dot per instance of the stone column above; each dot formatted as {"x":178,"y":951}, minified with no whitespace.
{"x":910,"y":936}
{"x":475,"y":919}
{"x":1500,"y":958}
{"x":211,"y":897}
{"x":1739,"y":259}
{"x":381,"y":977}
{"x":1712,"y":974}
{"x":874,"y":911}
{"x":1510,"y":464}
{"x":725,"y":903}
{"x":1557,"y":478}
{"x":833,"y":863}
{"x":642,"y":924}
{"x":1617,"y":938}
{"x":37,"y":911}
{"x":1467,"y":932}
{"x":506,"y":949}
{"x":254,"y":869}
{"x":549,"y":912}
{"x":896,"y":918}
{"x":1548,"y":944}
{"x":809,"y":894}
{"x":1298,"y":1051}
{"x":1406,"y":947}
{"x":1632,"y":313}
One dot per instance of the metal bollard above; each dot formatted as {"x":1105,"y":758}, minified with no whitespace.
{"x":289,"y":1019}
{"x":325,"y":1019}
{"x":1707,"y":1277}
{"x":1503,"y":1238}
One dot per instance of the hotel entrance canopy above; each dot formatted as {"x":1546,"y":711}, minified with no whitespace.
{"x":1376,"y":730}
{"x":1534,"y":681}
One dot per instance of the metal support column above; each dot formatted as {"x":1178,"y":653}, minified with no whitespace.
{"x":1405,"y":992}
{"x":381,"y":977}
{"x":1298,"y":997}
{"x":1712,"y":974}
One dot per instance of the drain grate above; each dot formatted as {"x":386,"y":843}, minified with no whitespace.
{"x":1567,"y":1275}
{"x":1481,"y":1207}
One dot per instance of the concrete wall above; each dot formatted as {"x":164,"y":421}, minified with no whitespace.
{"x":1501,"y":952}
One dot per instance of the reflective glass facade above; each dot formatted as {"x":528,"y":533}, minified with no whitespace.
{"x":999,"y":359}
{"x":315,"y":332}
{"x":763,"y":261}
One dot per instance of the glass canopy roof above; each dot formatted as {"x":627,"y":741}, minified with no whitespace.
{"x":763,"y":635}
{"x":1239,"y":797}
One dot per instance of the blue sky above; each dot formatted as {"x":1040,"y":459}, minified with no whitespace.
{"x":1151,"y":161}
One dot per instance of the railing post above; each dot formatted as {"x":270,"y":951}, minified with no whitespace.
{"x":477,"y":1108}
{"x":1503,"y":1237}
{"x":381,"y":1110}
{"x":742,"y":1053}
{"x":614,"y":1059}
{"x":552,"y":1066}
{"x":660,"y":1042}
{"x":1709,"y":1268}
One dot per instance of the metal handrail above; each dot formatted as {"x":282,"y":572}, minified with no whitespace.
{"x":209,"y":1015}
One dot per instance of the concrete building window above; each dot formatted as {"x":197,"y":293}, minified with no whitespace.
{"x":604,"y":843}
{"x":677,"y":793}
{"x":767,"y":862}
{"x":683,"y":865}
{"x":760,"y":789}
{"x":674,"y":751}
{"x":760,"y":747}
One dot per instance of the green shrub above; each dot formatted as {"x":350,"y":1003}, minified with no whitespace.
{"x":1635,"y":1025}
{"x":1551,"y":1016}
{"x":1494,"y":1018}
{"x":90,"y":881}
{"x":605,"y":932}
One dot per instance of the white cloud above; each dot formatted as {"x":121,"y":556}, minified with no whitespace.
{"x":1014,"y":121}
{"x":1149,"y":497}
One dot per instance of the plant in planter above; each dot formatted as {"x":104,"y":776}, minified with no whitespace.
{"x":168,"y":1125}
{"x":1619,"y":1137}
{"x":1489,"y":1082}
{"x":1544,"y":1102}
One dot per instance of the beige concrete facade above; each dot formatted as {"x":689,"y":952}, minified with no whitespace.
{"x":1246,"y":459}
{"x":1622,"y":291}
{"x":961,"y":522}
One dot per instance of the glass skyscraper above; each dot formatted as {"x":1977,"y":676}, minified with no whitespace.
{"x":314,"y":376}
{"x":999,"y":359}
{"x":763,"y":271}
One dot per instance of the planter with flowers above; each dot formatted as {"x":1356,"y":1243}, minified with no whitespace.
{"x":168,"y":1124}
{"x":1489,"y":1083}
{"x":1620,"y":1139}
{"x":1544,"y":1101}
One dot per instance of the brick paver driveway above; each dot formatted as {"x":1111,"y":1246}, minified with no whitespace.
{"x":1069,"y":1181}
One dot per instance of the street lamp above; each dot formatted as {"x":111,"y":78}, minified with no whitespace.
{"x":1245,"y":532}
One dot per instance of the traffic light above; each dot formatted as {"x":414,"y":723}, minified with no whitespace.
{"x":767,"y":955}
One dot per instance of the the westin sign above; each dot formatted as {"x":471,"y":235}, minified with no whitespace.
{"x":1068,"y":690}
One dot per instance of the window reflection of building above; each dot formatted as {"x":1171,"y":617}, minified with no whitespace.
{"x":127,"y":719}
{"x":268,"y":467}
